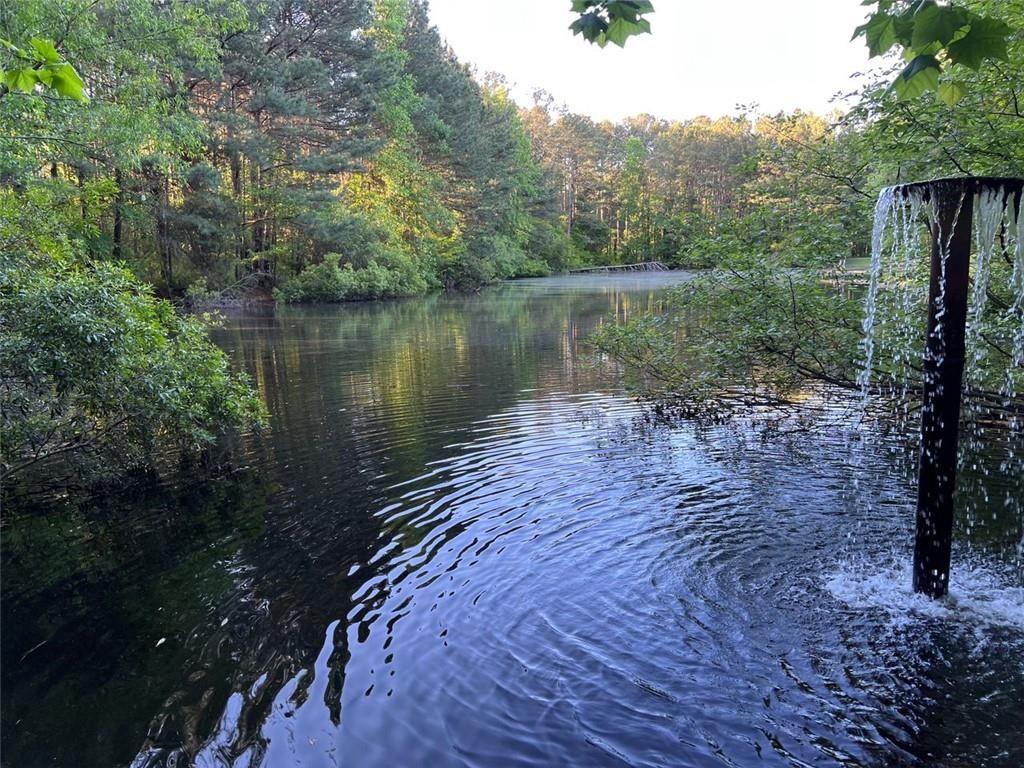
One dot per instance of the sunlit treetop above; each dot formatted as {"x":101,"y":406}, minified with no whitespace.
{"x":610,"y":21}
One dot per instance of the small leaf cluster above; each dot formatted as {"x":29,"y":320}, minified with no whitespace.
{"x":40,"y":64}
{"x":934,"y":38}
{"x":610,"y":21}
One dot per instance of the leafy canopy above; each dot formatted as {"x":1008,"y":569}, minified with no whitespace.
{"x":935,"y":38}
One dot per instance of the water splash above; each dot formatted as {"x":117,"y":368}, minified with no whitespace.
{"x":893,"y":343}
{"x":982,"y":597}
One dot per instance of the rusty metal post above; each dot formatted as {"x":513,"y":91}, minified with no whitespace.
{"x":953,"y":201}
{"x":943,"y":381}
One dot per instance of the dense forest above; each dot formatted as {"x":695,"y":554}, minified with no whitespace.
{"x":223,"y":140}
{"x":329,"y":150}
{"x":337,"y":150}
{"x":688,"y":193}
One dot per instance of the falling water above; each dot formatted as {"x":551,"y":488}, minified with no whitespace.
{"x":884,"y":208}
{"x":994,"y":374}
{"x":893,"y":343}
{"x":892,"y":339}
{"x":1015,"y":229}
{"x":988,"y":221}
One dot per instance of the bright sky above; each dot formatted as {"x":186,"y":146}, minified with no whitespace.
{"x":704,"y":56}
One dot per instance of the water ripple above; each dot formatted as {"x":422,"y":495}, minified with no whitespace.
{"x":566,"y":590}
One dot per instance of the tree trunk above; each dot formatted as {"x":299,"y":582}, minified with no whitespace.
{"x":118,"y":214}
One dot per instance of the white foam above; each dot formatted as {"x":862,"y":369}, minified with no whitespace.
{"x":978,"y":594}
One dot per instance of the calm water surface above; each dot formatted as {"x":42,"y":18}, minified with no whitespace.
{"x":460,"y":543}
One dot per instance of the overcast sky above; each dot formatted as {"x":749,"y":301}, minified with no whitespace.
{"x":704,"y":56}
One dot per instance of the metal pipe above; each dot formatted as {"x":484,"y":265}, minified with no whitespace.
{"x":943,"y":382}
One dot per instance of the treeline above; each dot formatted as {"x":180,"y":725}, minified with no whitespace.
{"x":337,"y":149}
{"x":690,"y":193}
{"x":335,"y":140}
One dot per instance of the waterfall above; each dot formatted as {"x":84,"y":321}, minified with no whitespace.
{"x":884,"y":211}
{"x":988,"y":218}
{"x":895,"y":291}
{"x":894,"y":335}
{"x":891,"y":345}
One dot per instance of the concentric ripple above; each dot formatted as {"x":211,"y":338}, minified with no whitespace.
{"x":460,"y":544}
{"x":573,"y":587}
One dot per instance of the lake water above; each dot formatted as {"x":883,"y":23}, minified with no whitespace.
{"x":461,"y":543}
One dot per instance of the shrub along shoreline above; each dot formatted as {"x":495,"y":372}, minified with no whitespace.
{"x":101,"y":377}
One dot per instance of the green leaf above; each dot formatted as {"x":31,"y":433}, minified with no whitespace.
{"x":952,"y":92}
{"x":620,"y":29}
{"x":23,"y":79}
{"x":45,"y":50}
{"x":619,"y":9}
{"x":903,"y":25}
{"x":879,"y":32}
{"x":918,"y":77}
{"x":591,"y":26}
{"x":986,"y":39}
{"x":581,"y":6}
{"x":66,"y":82}
{"x":937,"y":24}
{"x":910,"y":53}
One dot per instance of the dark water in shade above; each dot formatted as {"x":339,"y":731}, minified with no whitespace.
{"x":461,"y":544}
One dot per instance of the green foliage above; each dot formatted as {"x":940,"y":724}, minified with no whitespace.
{"x":750,"y":334}
{"x":533,"y":268}
{"x":547,"y":247}
{"x":610,"y":21}
{"x":39,"y":65}
{"x":220,"y":155}
{"x":332,"y":281}
{"x":100,"y":376}
{"x":934,"y":38}
{"x":971,"y":125}
{"x":690,"y":194}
